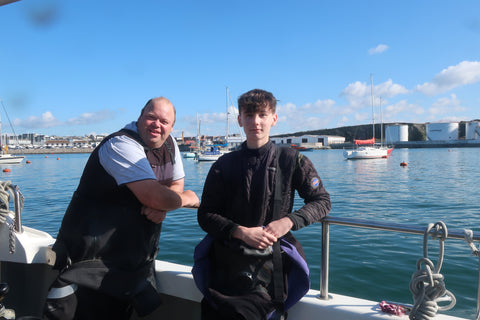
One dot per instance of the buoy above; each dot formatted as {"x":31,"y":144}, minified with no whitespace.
{"x":6,"y":170}
{"x":58,"y":158}
{"x":403,"y":164}
{"x":28,"y":161}
{"x":46,"y":156}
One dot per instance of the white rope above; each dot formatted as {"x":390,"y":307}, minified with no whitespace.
{"x":5,"y":193}
{"x":469,"y":239}
{"x":427,"y":284}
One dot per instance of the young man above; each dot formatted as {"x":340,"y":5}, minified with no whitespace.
{"x":240,"y":205}
{"x":108,"y":240}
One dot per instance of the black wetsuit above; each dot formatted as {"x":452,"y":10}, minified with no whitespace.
{"x":239,"y":191}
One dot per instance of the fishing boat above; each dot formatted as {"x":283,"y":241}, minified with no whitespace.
{"x":369,"y":149}
{"x":26,"y":261}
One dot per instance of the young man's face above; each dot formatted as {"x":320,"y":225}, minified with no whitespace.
{"x":256,"y":126}
{"x":156,"y":123}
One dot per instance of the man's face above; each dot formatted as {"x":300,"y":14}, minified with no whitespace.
{"x":257,"y":125}
{"x":156,"y":123}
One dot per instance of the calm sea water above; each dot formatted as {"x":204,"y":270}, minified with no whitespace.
{"x":437,"y":185}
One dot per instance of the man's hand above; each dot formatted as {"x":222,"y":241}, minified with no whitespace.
{"x":189,"y":199}
{"x":255,"y":237}
{"x":156,"y":216}
{"x":279,"y":228}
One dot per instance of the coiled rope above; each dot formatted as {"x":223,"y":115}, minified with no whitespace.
{"x":5,"y":193}
{"x":427,"y":284}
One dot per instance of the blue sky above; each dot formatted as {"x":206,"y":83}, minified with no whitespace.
{"x":81,"y":67}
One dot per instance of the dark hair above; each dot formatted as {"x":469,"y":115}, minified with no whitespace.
{"x":256,"y":100}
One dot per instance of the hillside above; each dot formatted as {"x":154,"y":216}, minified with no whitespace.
{"x":416,"y":131}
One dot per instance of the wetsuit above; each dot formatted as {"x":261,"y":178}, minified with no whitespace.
{"x":239,"y":191}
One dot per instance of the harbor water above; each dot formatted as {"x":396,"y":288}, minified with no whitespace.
{"x":437,"y":185}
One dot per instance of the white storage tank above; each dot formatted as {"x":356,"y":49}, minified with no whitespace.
{"x":396,"y":133}
{"x":442,"y":131}
{"x":472,"y":130}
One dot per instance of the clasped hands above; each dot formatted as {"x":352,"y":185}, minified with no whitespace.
{"x":263,"y":237}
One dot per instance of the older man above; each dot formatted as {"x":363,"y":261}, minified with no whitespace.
{"x":109,"y":235}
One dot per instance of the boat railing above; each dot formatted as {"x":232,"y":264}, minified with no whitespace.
{"x":10,"y":192}
{"x":377,"y":225}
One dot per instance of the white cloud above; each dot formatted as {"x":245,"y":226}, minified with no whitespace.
{"x":466,"y":72}
{"x":320,"y":106}
{"x":378,"y":49}
{"x":358,"y":94}
{"x":46,"y":120}
{"x":446,"y":105}
{"x":389,"y":89}
{"x":402,"y":107}
{"x":91,"y":117}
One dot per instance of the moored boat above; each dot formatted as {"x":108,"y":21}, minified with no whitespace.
{"x":300,"y":148}
{"x":189,"y":154}
{"x":212,"y":154}
{"x":367,"y":149}
{"x":8,"y":158}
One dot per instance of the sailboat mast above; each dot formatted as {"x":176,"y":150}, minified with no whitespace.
{"x":373,"y":111}
{"x":226,"y":137}
{"x":381,"y":122}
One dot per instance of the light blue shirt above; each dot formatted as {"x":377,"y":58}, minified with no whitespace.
{"x":125,"y":160}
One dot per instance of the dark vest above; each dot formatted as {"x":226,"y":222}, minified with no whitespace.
{"x":103,"y":222}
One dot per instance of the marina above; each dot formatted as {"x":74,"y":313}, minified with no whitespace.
{"x":438,"y":185}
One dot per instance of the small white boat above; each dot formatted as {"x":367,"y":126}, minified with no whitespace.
{"x":367,"y":152}
{"x":368,"y":149}
{"x":189,"y":154}
{"x":8,"y":158}
{"x":209,"y":155}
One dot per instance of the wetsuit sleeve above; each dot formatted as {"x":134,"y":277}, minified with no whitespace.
{"x":310,"y":188}
{"x":211,"y":215}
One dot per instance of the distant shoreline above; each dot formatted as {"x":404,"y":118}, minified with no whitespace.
{"x":397,"y":145}
{"x":49,"y":151}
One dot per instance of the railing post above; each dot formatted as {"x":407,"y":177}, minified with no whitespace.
{"x":478,"y":291}
{"x":18,"y":202}
{"x":325,"y":260}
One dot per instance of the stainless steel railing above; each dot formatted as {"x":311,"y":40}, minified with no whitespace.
{"x":394,"y":227}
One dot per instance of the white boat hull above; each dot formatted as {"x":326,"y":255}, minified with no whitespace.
{"x":28,"y":272}
{"x":189,"y":154}
{"x":10,"y":159}
{"x":367,"y":153}
{"x":208,"y":157}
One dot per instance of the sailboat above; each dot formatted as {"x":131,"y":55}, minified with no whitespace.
{"x":214,"y":152}
{"x":5,"y":157}
{"x":368,"y":149}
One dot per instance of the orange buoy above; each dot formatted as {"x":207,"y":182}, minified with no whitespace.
{"x":6,"y":170}
{"x":403,"y":164}
{"x":58,"y":158}
{"x":46,"y":156}
{"x":28,"y":161}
